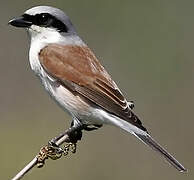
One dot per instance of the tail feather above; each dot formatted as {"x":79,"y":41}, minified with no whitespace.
{"x":147,"y":139}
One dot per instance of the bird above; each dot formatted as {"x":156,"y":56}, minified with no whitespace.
{"x":74,"y":77}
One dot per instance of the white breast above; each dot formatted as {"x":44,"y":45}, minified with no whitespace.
{"x":74,"y":105}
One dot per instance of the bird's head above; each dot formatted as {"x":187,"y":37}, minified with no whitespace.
{"x":44,"y":19}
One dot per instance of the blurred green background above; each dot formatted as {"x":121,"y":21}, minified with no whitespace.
{"x":147,"y":47}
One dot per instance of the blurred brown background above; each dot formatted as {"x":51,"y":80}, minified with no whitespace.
{"x":148,"y":48}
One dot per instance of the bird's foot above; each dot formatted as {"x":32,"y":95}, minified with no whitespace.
{"x":53,"y":151}
{"x":49,"y":151}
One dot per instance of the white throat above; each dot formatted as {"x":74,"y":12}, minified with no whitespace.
{"x":44,"y":35}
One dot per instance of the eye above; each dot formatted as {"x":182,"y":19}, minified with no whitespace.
{"x":43,"y":19}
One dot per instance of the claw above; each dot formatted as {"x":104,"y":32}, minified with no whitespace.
{"x":50,"y":151}
{"x":55,"y":147}
{"x":54,"y":154}
{"x":69,"y":147}
{"x":73,"y":148}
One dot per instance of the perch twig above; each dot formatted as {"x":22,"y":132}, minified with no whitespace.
{"x":58,"y":141}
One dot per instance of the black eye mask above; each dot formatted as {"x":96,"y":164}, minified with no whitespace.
{"x":46,"y":20}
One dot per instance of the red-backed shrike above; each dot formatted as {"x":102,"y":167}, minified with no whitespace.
{"x":75,"y":79}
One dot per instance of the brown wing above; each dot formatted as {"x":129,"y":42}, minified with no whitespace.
{"x":77,"y":68}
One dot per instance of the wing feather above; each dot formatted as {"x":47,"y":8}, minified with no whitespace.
{"x":77,"y":68}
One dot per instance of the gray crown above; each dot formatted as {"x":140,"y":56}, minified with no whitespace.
{"x":59,"y":14}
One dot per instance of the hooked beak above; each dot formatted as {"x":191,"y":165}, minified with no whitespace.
{"x":20,"y":22}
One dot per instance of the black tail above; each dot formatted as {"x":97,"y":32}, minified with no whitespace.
{"x":147,"y":139}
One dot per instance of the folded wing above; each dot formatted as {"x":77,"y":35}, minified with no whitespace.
{"x":77,"y":68}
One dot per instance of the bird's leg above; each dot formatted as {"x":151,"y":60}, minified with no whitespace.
{"x":77,"y":135}
{"x":71,"y":146}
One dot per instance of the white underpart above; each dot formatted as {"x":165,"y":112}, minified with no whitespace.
{"x":41,"y":37}
{"x":108,"y":118}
